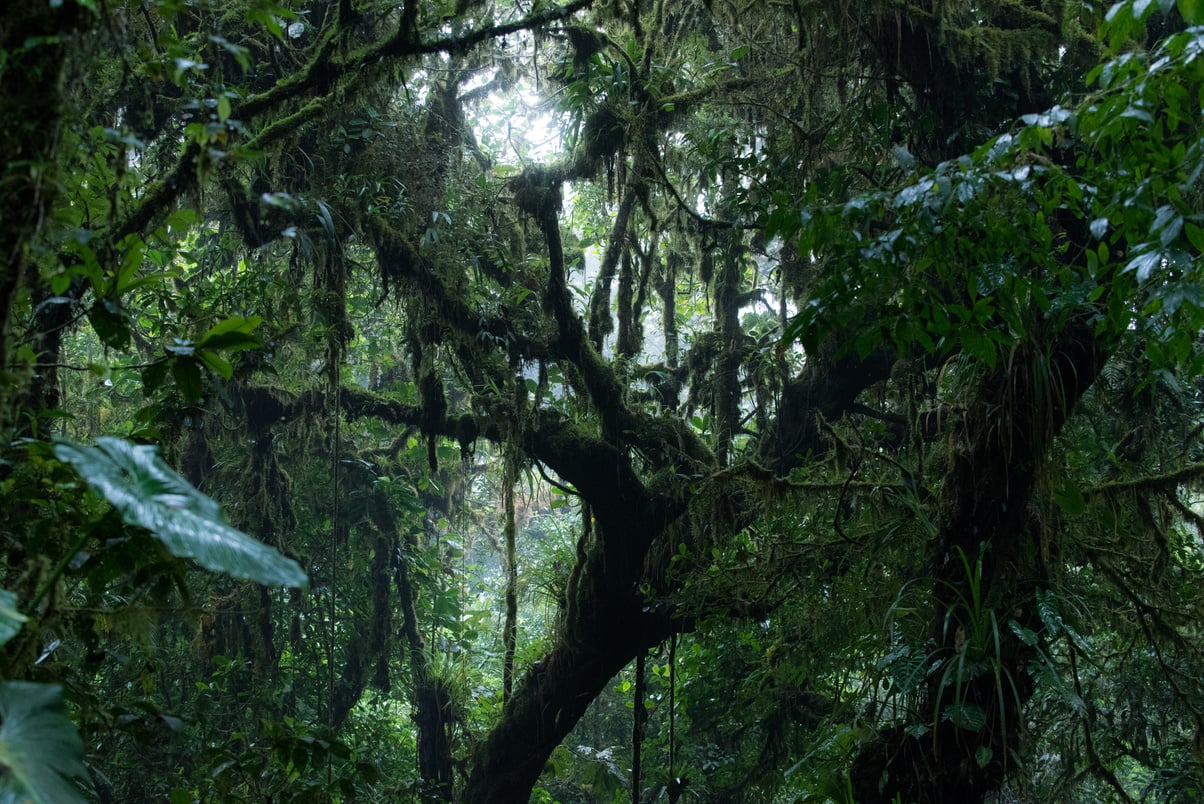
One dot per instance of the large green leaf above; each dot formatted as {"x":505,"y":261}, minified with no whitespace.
{"x":149,"y":494}
{"x":10,"y":618}
{"x":40,"y":750}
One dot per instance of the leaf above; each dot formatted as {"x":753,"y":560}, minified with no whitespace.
{"x":181,"y":219}
{"x":40,"y":750}
{"x":1192,"y":11}
{"x":1026,"y":635}
{"x":110,"y":322}
{"x":1051,"y":618}
{"x":1144,"y":264}
{"x":147,"y":493}
{"x":908,"y":672}
{"x":153,"y":376}
{"x":966,"y":716}
{"x":232,"y":342}
{"x":187,"y":374}
{"x":233,"y":334}
{"x":10,"y":618}
{"x":980,"y":346}
{"x":218,"y":364}
{"x":1070,"y":499}
{"x":1195,"y":234}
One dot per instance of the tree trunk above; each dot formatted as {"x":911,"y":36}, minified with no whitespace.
{"x":432,"y":701}
{"x":987,"y":565}
{"x":510,"y":627}
{"x":602,"y":628}
{"x":31,"y":113}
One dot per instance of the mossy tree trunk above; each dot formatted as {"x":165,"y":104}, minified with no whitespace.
{"x":432,"y":703}
{"x":606,"y":621}
{"x":988,"y":568}
{"x":33,"y":37}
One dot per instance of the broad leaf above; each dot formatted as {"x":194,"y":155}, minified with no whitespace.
{"x":233,"y":334}
{"x":10,"y":618}
{"x":187,"y":374}
{"x":149,"y":494}
{"x":966,"y":716}
{"x":40,"y":750}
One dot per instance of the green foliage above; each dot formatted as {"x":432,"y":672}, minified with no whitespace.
{"x":1127,"y":159}
{"x":148,"y":494}
{"x":293,"y":248}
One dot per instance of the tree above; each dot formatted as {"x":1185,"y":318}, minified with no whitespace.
{"x":882,"y":322}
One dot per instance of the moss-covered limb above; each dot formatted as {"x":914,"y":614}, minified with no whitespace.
{"x":1021,"y":14}
{"x":703,"y":222}
{"x":548,"y":701}
{"x":1192,"y":475}
{"x":328,"y":66}
{"x":323,"y":76}
{"x":542,"y":201}
{"x":510,"y":626}
{"x":600,"y":472}
{"x":277,"y":130}
{"x":684,"y":102}
{"x":160,"y":198}
{"x":594,"y":467}
{"x":669,"y":440}
{"x":357,"y":403}
{"x":825,"y":387}
{"x":634,"y":287}
{"x":603,"y":623}
{"x":539,"y":196}
{"x":401,"y":264}
{"x":366,"y":653}
{"x":156,"y":202}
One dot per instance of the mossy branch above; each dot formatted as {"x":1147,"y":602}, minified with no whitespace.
{"x":1168,"y":481}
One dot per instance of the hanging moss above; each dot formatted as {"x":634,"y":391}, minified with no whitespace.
{"x":466,"y":435}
